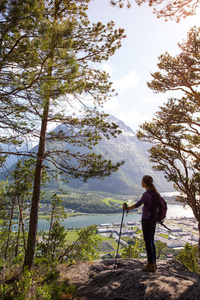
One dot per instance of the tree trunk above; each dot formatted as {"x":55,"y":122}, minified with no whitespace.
{"x":32,"y":234}
{"x":33,"y":223}
{"x":50,"y":228}
{"x":199,"y":236}
{"x":9,"y":228}
{"x":21,"y":222}
{"x":23,"y":229}
{"x":18,"y":239}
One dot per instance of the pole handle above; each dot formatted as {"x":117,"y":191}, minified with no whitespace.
{"x":126,"y":208}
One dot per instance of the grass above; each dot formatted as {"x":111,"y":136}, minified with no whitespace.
{"x":125,"y":238}
{"x":166,"y":236}
{"x":108,"y":200}
{"x":72,"y":236}
{"x":106,"y":247}
{"x":112,"y":241}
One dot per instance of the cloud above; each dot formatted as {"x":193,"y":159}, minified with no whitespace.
{"x":131,"y":115}
{"x":133,"y":118}
{"x":155,"y":99}
{"x":127,"y":82}
{"x":112,"y":106}
{"x":107,"y":68}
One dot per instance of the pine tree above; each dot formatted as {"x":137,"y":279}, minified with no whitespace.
{"x":50,"y":55}
{"x":175,"y":129}
{"x":17,"y":196}
{"x":57,"y":213}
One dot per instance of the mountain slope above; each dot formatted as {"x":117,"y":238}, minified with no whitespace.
{"x":127,"y":180}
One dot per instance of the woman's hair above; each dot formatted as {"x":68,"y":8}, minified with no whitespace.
{"x":149,"y":182}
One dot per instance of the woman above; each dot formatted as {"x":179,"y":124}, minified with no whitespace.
{"x":148,"y":227}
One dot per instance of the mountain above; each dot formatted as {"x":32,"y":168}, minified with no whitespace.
{"x":127,"y":180}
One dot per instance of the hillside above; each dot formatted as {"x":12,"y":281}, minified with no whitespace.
{"x":127,"y":180}
{"x":99,"y":280}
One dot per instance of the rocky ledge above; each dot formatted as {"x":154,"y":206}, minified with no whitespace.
{"x":101,"y":280}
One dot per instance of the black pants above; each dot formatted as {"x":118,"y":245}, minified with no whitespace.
{"x":148,"y":232}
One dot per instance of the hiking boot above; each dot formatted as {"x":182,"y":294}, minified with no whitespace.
{"x":149,"y":267}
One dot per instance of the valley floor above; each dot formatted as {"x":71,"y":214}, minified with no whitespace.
{"x":182,"y":231}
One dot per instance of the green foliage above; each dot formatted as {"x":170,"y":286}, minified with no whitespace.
{"x":133,"y":250}
{"x":130,"y":252}
{"x":52,"y":245}
{"x":175,"y":129}
{"x":160,"y":249}
{"x":54,"y":50}
{"x":41,"y":261}
{"x":85,"y":248}
{"x":90,"y":204}
{"x":55,"y":240}
{"x":44,"y":284}
{"x":49,"y":45}
{"x":71,"y":236}
{"x":189,"y":256}
{"x":16,"y":196}
{"x":57,"y":209}
{"x":1,"y":264}
{"x":15,"y":200}
{"x":3,"y":202}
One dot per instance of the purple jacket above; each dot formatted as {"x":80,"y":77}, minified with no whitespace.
{"x":147,"y":201}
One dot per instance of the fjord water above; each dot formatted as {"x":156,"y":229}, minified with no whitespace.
{"x":98,"y":219}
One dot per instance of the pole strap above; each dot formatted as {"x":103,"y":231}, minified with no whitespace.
{"x":161,"y":223}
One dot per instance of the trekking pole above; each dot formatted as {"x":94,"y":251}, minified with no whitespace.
{"x":120,"y":234}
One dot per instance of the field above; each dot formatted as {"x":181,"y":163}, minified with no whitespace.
{"x":108,"y":244}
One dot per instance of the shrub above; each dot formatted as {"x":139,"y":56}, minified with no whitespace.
{"x":189,"y":256}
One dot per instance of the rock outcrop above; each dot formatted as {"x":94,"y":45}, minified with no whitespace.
{"x":101,"y":280}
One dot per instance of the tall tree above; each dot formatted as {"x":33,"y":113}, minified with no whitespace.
{"x":175,"y":129}
{"x":51,"y":64}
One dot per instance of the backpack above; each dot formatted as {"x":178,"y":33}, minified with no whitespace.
{"x":158,"y":210}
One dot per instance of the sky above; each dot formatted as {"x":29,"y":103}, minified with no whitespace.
{"x":147,"y":38}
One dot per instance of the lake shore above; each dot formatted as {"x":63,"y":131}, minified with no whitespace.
{"x":85,"y":220}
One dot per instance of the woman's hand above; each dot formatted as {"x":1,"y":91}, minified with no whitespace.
{"x":125,"y":207}
{"x":128,"y":208}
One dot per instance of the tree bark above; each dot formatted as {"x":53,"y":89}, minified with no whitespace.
{"x":33,"y":223}
{"x":199,"y":236}
{"x":50,"y":228}
{"x":10,"y":228}
{"x":21,"y":222}
{"x":18,"y":238}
